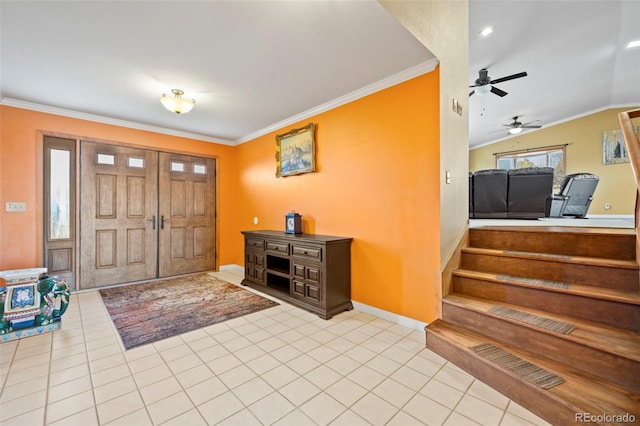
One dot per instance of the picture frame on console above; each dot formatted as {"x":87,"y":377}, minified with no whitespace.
{"x":296,"y":151}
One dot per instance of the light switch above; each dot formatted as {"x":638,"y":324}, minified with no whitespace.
{"x":447,"y":177}
{"x":15,"y":207}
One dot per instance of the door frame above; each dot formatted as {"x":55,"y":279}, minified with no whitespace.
{"x":40,"y":199}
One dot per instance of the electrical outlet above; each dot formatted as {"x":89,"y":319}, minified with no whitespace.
{"x":15,"y":207}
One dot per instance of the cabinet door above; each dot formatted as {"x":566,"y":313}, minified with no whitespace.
{"x":307,"y":283}
{"x":254,"y":266}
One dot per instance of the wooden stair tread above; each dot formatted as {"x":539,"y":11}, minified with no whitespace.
{"x":621,"y":342}
{"x":620,"y":296}
{"x":561,"y":229}
{"x":583,"y":260}
{"x":581,"y":392}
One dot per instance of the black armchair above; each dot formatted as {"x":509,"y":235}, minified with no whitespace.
{"x":576,"y":194}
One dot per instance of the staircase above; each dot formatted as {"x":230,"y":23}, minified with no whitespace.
{"x":586,"y":277}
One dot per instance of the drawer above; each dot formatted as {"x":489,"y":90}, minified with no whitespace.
{"x":278,"y":247}
{"x":255,"y":242}
{"x":306,"y":251}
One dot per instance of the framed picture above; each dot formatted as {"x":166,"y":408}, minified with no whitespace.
{"x":296,"y":151}
{"x":614,"y":150}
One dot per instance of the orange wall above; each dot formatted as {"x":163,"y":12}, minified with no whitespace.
{"x":21,"y":176}
{"x":377,"y":181}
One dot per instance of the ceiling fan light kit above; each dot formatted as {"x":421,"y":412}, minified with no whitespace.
{"x":176,"y":103}
{"x":484,"y":84}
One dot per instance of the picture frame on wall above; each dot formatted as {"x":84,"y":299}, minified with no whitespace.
{"x":614,"y":150}
{"x":296,"y":151}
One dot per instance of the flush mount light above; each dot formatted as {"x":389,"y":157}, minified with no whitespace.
{"x":176,"y":103}
{"x":633,"y":43}
{"x":486,"y":31}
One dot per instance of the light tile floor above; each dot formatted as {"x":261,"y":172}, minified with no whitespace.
{"x":281,"y":366}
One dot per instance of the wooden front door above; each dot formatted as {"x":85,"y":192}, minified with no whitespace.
{"x":187,"y":214}
{"x":118,"y":220}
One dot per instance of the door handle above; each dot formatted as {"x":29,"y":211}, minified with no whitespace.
{"x":153,"y":221}
{"x":163,"y":221}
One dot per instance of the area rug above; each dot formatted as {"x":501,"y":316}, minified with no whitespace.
{"x":145,"y":313}
{"x":524,"y":369}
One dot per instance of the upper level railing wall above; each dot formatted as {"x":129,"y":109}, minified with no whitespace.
{"x":633,"y":148}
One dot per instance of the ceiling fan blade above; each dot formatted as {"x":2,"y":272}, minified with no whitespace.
{"x":496,"y":131}
{"x":530,"y":127}
{"x":471,"y":93}
{"x":531,"y":122}
{"x":498,"y":92}
{"x":510,"y":77}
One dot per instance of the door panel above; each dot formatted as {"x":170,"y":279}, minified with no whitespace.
{"x":60,"y":207}
{"x":118,"y":207}
{"x":187,"y":214}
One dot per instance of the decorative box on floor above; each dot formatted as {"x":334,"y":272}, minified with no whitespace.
{"x":31,"y":303}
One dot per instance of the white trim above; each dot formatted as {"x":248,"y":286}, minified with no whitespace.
{"x":610,"y":216}
{"x":113,"y":121}
{"x":564,"y":120}
{"x":231,"y":266}
{"x":390,"y":316}
{"x":401,"y":77}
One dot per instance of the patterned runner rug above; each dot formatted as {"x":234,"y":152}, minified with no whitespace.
{"x":145,"y":313}
{"x":535,"y":281}
{"x":535,"y":320}
{"x":527,"y":371}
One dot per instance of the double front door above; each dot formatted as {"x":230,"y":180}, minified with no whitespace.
{"x":144,"y":214}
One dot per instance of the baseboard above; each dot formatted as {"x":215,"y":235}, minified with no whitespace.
{"x":231,"y":266}
{"x":376,"y":312}
{"x":610,"y":216}
{"x":390,"y":316}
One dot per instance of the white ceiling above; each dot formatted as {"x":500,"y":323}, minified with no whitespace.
{"x":573,"y":51}
{"x":252,"y":66}
{"x":255,"y":66}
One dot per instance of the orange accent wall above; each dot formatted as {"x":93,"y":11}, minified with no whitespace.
{"x":21,"y":175}
{"x":377,"y":181}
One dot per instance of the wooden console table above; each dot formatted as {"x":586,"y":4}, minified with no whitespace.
{"x":307,"y":270}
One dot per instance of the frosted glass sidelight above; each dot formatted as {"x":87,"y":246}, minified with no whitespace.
{"x":60,"y":187}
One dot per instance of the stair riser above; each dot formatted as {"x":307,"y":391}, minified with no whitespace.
{"x":576,"y":273}
{"x":614,"y":313}
{"x":551,"y":345}
{"x":607,"y":246}
{"x":538,"y":401}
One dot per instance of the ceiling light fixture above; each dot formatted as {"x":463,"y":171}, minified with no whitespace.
{"x":486,"y":31}
{"x":633,"y":43}
{"x":176,"y":103}
{"x":515,"y":130}
{"x":483,"y":90}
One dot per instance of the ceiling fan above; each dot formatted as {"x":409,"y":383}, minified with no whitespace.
{"x":484,"y":83}
{"x":516,"y":127}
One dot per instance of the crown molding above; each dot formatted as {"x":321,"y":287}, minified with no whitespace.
{"x":112,"y":121}
{"x":401,"y":77}
{"x":555,"y":123}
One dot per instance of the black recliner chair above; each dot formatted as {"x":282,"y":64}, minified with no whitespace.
{"x":576,"y":194}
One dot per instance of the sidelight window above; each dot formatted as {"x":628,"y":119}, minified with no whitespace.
{"x":60,"y":195}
